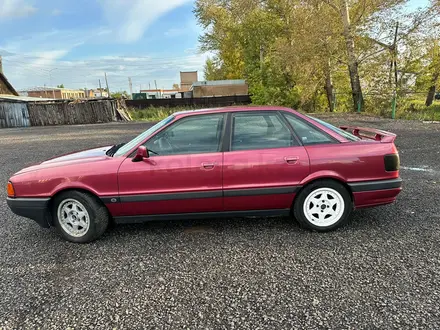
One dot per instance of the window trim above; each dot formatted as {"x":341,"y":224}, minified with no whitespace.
{"x":230,"y":129}
{"x":292,"y":131}
{"x":186,"y":118}
{"x":333,"y":139}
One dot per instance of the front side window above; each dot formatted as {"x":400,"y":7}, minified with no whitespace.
{"x":141,"y":137}
{"x":307,"y":132}
{"x":192,"y":135}
{"x":253,"y":131}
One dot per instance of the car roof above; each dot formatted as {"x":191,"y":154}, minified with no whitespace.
{"x":230,"y":109}
{"x":322,"y":127}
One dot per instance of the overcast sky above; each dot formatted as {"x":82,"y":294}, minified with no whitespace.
{"x":48,"y":42}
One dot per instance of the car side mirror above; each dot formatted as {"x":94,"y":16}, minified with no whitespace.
{"x":141,"y":154}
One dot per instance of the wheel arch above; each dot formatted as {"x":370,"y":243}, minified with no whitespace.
{"x":64,"y":190}
{"x":311,"y":180}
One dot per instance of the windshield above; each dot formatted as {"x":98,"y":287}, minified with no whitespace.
{"x":337,"y":130}
{"x":141,"y":137}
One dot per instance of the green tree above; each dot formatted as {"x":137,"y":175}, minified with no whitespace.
{"x":60,"y":86}
{"x":213,"y":71}
{"x":300,"y":53}
{"x":120,"y":94}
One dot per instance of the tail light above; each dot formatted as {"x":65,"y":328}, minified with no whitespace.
{"x":10,"y":189}
{"x":392,"y":162}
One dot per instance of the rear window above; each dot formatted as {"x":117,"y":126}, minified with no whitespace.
{"x":337,"y":130}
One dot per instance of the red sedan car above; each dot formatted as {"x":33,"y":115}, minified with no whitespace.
{"x":241,"y":161}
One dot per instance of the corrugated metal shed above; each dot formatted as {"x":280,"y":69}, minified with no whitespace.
{"x":14,"y":114}
{"x":219,"y":82}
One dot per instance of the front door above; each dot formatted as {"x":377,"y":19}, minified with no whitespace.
{"x":264,"y":165}
{"x":183,"y":173}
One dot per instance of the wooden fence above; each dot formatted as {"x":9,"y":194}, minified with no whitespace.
{"x":19,"y":113}
{"x":65,"y":113}
{"x":221,"y":101}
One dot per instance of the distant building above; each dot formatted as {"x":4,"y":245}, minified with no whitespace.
{"x":99,"y":93}
{"x":187,"y":79}
{"x":58,"y":93}
{"x":219,"y":88}
{"x":89,"y":94}
{"x":161,"y":93}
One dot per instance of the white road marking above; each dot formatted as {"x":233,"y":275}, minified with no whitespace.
{"x":418,"y":169}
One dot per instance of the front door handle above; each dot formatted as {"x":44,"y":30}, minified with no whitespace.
{"x":291,"y":160}
{"x":208,"y":166}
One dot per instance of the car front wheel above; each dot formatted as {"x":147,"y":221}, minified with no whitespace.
{"x":79,"y":217}
{"x":323,"y":206}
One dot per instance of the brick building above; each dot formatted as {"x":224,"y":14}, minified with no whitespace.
{"x":58,"y":93}
{"x":187,"y":79}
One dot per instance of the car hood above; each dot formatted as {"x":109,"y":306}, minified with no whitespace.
{"x":85,"y":156}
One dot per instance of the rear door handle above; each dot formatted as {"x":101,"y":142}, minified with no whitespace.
{"x":291,"y":160}
{"x":208,"y":166}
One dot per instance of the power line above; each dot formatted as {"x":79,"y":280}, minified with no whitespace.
{"x":108,"y":58}
{"x":145,"y":60}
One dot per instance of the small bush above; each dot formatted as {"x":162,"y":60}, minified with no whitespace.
{"x":416,"y":109}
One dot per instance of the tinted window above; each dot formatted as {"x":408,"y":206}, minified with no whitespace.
{"x":259,"y":131}
{"x":307,"y":132}
{"x":193,"y":135}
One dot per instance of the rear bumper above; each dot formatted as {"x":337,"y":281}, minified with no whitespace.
{"x":375,"y":193}
{"x":32,"y":208}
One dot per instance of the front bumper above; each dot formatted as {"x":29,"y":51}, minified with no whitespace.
{"x":32,"y":208}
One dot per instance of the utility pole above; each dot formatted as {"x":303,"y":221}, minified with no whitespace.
{"x":155,"y":83}
{"x":396,"y":80}
{"x":106,"y":82}
{"x":149,"y":85}
{"x":50,"y":81}
{"x":1,"y":65}
{"x":130,"y":85}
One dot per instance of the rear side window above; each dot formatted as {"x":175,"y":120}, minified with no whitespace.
{"x":260,"y":131}
{"x":308,"y":134}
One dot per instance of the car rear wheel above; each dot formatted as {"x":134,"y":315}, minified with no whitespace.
{"x":323,"y":206}
{"x":79,"y":217}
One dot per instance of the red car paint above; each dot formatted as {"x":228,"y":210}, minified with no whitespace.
{"x":228,"y":178}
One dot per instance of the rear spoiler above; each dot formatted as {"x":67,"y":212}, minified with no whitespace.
{"x":371,"y":133}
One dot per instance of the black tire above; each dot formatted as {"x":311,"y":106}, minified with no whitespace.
{"x":99,"y":217}
{"x":298,"y":205}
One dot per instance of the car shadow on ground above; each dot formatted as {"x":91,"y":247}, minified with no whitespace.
{"x":206,"y":225}
{"x":362,"y":220}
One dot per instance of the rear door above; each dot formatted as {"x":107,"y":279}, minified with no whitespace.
{"x":264,"y":162}
{"x":183,"y":173}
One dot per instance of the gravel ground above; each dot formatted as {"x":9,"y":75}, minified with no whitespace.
{"x":382,"y":271}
